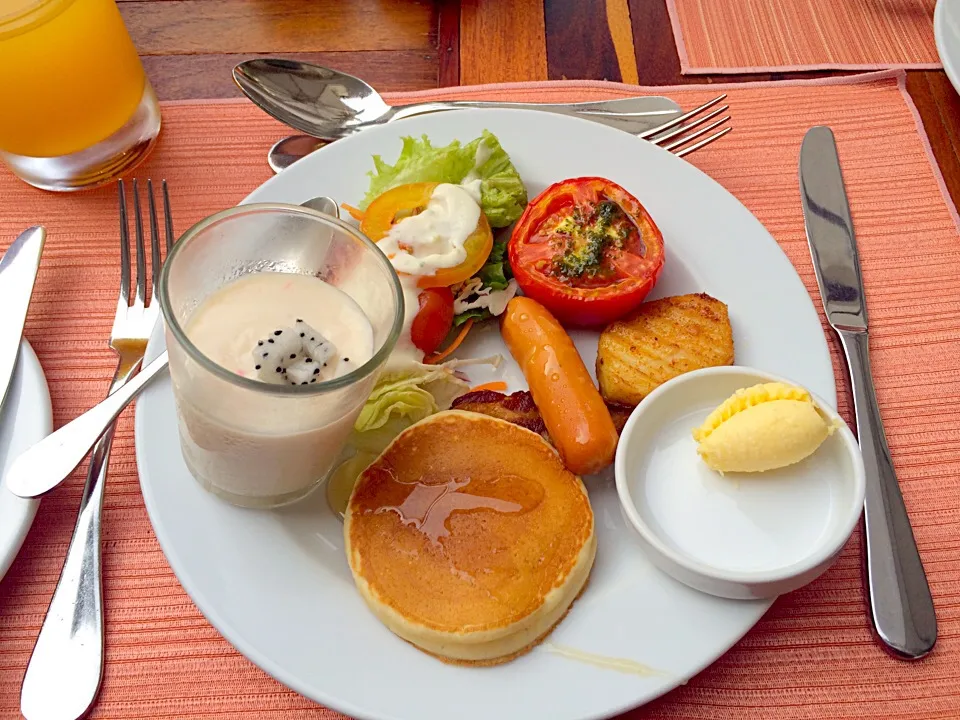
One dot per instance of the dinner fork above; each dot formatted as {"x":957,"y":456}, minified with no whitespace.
{"x":66,"y":667}
{"x":673,"y":135}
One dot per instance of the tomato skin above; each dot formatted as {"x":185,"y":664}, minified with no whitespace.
{"x":597,"y":302}
{"x":380,"y":216}
{"x":433,"y":320}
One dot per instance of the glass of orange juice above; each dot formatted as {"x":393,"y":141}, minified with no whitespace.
{"x":76,"y":109}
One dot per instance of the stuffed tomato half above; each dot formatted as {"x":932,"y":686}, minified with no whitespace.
{"x":587,"y":250}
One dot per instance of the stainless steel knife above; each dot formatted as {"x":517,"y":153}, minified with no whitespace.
{"x":18,"y":270}
{"x":901,"y":607}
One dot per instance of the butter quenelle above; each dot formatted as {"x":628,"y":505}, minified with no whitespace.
{"x":763,"y":427}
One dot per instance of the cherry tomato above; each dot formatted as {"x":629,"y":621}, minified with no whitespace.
{"x":587,"y":250}
{"x":405,"y":200}
{"x":433,"y":320}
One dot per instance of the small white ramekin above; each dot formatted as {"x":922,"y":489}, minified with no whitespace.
{"x":739,"y":535}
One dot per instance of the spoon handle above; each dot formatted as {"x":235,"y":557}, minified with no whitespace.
{"x":48,"y":463}
{"x":65,"y":670}
{"x":631,"y":117}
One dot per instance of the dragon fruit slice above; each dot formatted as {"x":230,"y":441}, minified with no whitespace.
{"x":303,"y":372}
{"x":274,"y":352}
{"x":293,"y":355}
{"x":315,"y":346}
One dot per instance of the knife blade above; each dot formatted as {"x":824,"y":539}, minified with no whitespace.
{"x":18,"y":271}
{"x":901,"y":606}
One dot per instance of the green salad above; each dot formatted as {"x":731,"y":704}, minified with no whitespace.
{"x":410,"y":391}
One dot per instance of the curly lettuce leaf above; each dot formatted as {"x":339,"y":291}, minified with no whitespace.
{"x":419,"y":161}
{"x":400,"y":399}
{"x":495,"y":272}
{"x":476,"y":314}
{"x":502,"y":195}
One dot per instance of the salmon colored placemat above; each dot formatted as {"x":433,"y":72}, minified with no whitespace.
{"x":812,"y":656}
{"x":746,"y":36}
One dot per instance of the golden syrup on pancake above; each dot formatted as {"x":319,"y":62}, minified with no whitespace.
{"x":427,"y":506}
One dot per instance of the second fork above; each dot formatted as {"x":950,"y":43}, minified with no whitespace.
{"x":681,"y":130}
{"x":65,"y":670}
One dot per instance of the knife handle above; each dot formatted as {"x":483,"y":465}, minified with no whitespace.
{"x":901,"y":607}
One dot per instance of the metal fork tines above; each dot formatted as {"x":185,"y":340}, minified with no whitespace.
{"x":689,"y":127}
{"x":66,"y":668}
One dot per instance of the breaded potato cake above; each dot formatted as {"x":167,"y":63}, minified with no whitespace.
{"x":660,"y":340}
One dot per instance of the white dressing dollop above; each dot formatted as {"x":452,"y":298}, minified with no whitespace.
{"x":434,"y":239}
{"x":480,"y":158}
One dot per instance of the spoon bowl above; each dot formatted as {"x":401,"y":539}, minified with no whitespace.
{"x":286,"y":151}
{"x":319,"y":101}
{"x":330,"y":105}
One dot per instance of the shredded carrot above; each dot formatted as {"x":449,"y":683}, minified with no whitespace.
{"x":496,"y":386}
{"x":440,"y":356}
{"x":355,"y":213}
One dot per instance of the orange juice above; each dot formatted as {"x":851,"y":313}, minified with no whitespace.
{"x":69,"y":75}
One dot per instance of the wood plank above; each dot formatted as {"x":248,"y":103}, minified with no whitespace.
{"x":502,"y":41}
{"x":183,"y":27}
{"x":621,"y":32}
{"x":579,"y":45}
{"x":657,"y":59}
{"x":939,"y":108}
{"x":188,"y":77}
{"x":448,"y":43}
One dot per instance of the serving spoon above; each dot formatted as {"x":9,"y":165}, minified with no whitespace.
{"x":49,"y":462}
{"x":331,"y":105}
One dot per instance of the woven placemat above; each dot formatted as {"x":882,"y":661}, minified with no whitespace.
{"x":811,"y":656}
{"x":745,"y":36}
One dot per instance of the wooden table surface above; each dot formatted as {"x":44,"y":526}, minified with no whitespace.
{"x":189,"y":47}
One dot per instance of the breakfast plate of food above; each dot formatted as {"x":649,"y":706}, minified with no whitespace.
{"x":432,"y":523}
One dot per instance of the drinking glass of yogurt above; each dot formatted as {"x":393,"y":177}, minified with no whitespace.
{"x":278,"y":319}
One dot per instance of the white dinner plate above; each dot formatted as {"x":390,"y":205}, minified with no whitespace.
{"x":946,"y":34}
{"x":277,"y":585}
{"x":26,"y":419}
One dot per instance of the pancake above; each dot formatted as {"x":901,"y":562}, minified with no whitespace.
{"x":469,"y":538}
